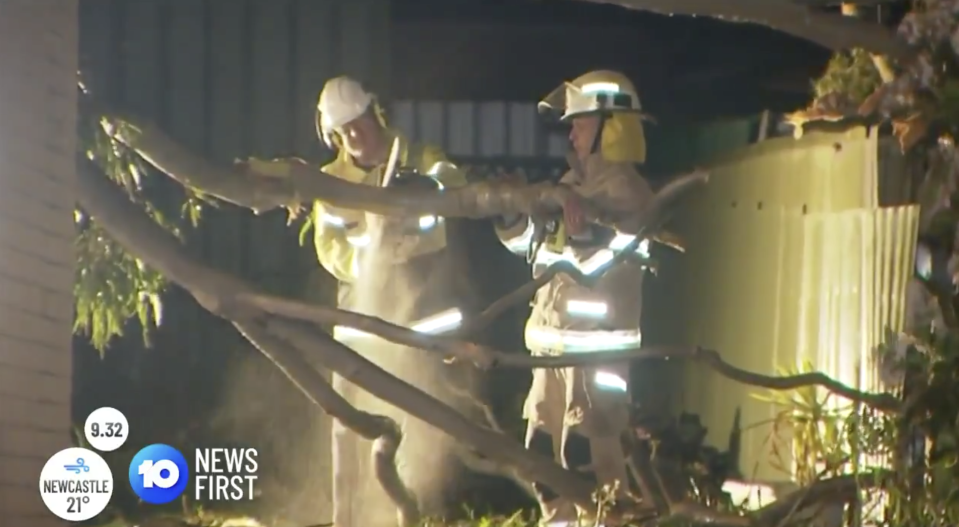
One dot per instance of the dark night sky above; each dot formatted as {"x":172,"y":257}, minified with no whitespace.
{"x":684,"y":67}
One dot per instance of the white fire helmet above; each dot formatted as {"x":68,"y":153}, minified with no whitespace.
{"x":596,"y":91}
{"x":342,"y":100}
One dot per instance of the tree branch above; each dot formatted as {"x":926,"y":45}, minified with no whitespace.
{"x":836,"y":489}
{"x":830,"y":31}
{"x":384,"y":432}
{"x":219,"y":292}
{"x":711,"y":358}
{"x":285,"y":341}
{"x":305,"y":183}
{"x":381,"y":384}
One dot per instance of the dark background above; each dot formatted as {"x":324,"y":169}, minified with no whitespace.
{"x":237,"y":78}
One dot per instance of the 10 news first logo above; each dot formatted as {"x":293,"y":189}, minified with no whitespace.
{"x":159,"y":474}
{"x":76,"y":484}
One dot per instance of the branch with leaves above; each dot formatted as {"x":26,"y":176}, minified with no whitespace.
{"x":287,"y":331}
{"x":224,"y":295}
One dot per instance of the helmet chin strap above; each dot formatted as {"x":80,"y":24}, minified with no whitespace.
{"x":598,"y":137}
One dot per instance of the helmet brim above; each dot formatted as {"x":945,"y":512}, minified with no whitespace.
{"x":554,"y":106}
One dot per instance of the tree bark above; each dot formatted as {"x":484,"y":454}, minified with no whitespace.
{"x":305,"y":184}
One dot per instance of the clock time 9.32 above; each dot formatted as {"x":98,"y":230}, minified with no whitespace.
{"x":106,"y":429}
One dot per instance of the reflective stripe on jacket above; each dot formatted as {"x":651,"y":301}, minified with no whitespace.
{"x":566,"y":316}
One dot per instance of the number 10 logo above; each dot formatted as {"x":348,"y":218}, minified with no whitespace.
{"x":158,"y":474}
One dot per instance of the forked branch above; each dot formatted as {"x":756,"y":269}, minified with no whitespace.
{"x":223,"y":295}
{"x":286,"y":330}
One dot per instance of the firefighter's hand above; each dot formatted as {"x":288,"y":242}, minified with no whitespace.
{"x":573,"y":216}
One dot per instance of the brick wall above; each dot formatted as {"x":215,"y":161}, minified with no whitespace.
{"x":38,"y":64}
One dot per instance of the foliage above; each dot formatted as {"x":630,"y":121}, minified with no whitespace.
{"x":815,"y":436}
{"x":111,"y":286}
{"x":850,"y":73}
{"x":686,"y":464}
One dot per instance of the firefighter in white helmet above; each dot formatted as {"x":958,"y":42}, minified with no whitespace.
{"x":578,"y":415}
{"x":383,"y":266}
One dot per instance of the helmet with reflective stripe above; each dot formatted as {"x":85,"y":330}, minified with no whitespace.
{"x":342,"y":100}
{"x":596,"y":91}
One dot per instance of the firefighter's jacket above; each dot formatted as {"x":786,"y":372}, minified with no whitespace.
{"x":340,"y":235}
{"x":568,"y":317}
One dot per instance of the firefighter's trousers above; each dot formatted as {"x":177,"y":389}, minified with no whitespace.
{"x":578,"y":416}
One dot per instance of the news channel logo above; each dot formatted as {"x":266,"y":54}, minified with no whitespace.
{"x":159,"y":474}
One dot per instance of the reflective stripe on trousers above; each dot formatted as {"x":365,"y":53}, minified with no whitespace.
{"x":553,"y":341}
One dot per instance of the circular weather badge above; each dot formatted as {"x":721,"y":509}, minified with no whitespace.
{"x":76,"y":484}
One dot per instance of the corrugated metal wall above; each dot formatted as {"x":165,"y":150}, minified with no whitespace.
{"x":791,"y":258}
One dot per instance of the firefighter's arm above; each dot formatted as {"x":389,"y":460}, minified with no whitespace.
{"x":333,"y":251}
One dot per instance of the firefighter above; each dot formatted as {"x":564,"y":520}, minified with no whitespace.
{"x":396,"y":269}
{"x":578,"y":415}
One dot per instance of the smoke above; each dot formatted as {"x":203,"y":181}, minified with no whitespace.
{"x":403,"y":293}
{"x":259,"y":407}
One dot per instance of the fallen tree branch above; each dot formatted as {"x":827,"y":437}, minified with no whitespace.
{"x":106,"y":203}
{"x":831,"y":31}
{"x":485,"y":357}
{"x":305,"y":183}
{"x":711,"y":358}
{"x":218,"y":291}
{"x":478,"y":463}
{"x":836,"y":489}
{"x":384,"y":432}
{"x":381,"y":384}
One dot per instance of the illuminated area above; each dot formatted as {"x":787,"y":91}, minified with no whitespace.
{"x":505,"y":191}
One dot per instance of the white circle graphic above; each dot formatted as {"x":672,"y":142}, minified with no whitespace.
{"x":106,"y":429}
{"x":76,"y":484}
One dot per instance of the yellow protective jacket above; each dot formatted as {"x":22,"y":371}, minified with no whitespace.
{"x":341,"y":234}
{"x":568,"y":317}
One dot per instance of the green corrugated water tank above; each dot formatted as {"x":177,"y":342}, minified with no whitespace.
{"x":672,"y":150}
{"x":796,"y":252}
